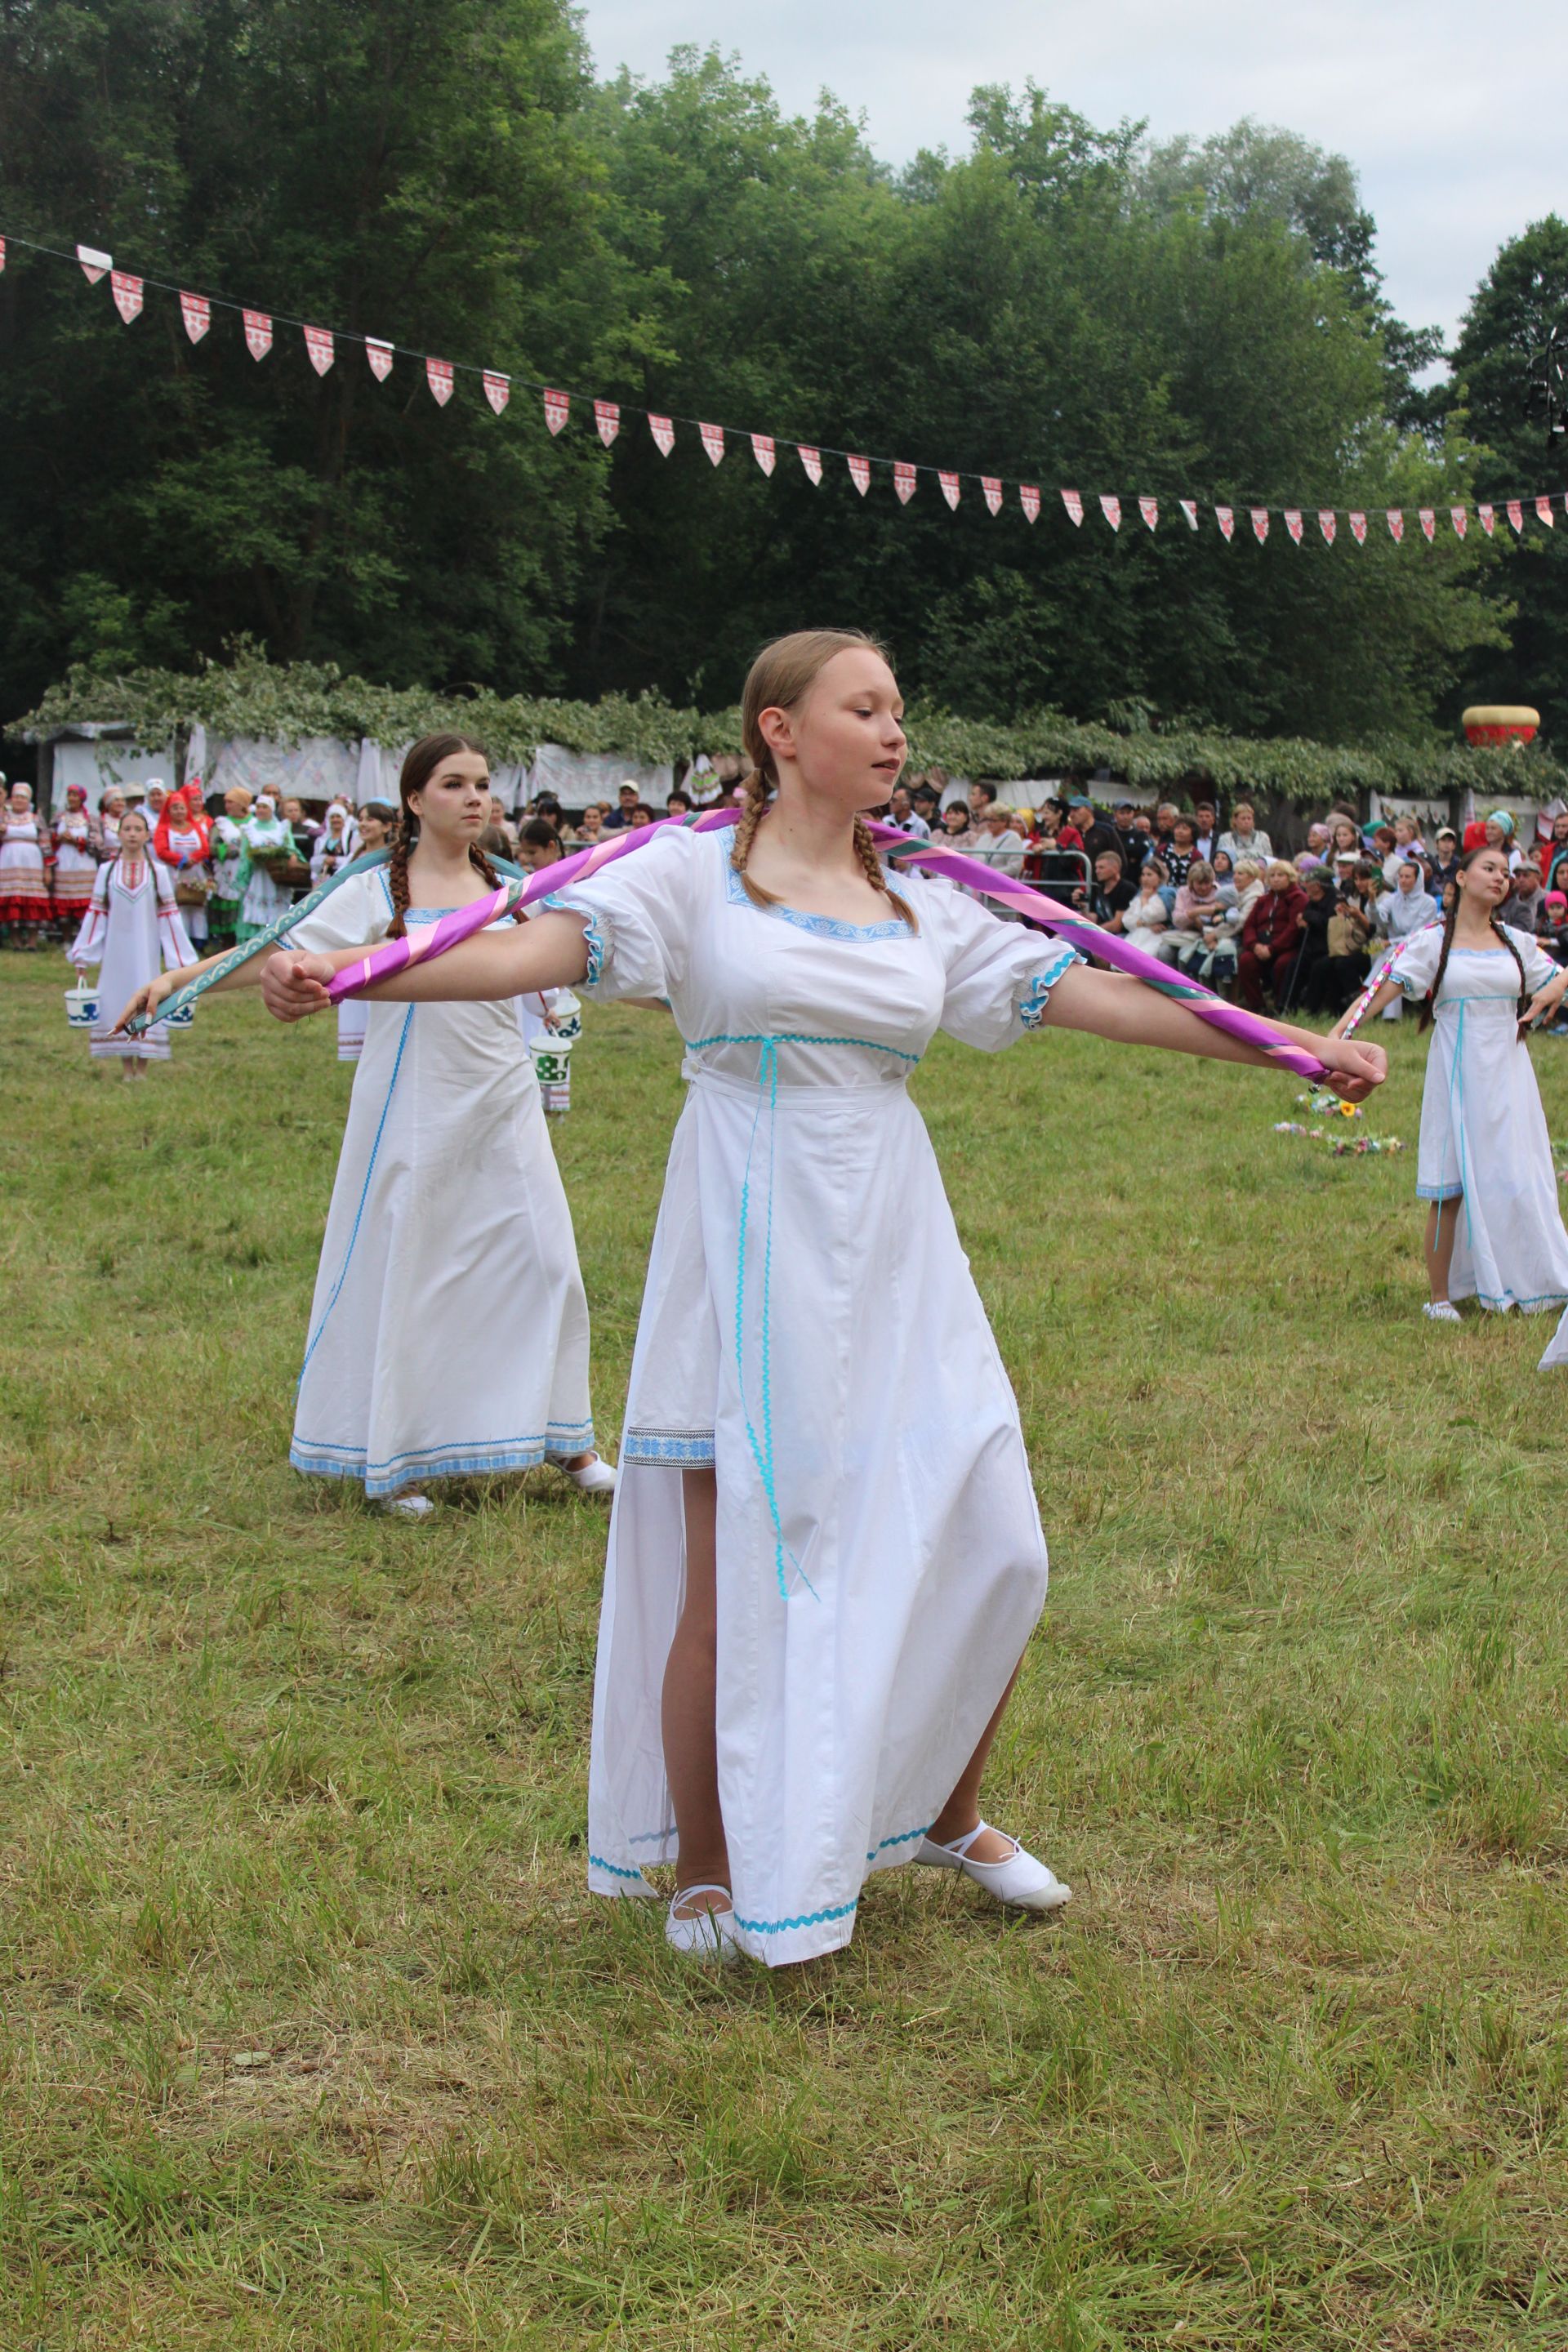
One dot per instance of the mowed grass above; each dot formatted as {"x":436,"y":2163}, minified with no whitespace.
{"x":313,"y":2037}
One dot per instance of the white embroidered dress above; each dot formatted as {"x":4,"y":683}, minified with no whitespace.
{"x":1483,"y":1131}
{"x":133,"y":930}
{"x":810,"y":1327}
{"x":448,"y":1333}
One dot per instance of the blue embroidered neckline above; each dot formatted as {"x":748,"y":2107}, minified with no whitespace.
{"x":821,"y":927}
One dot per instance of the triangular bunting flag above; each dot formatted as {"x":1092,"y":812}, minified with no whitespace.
{"x":811,"y":460}
{"x":497,"y":389}
{"x":763,"y":451}
{"x":903,"y":482}
{"x":1150,"y":510}
{"x":1460,"y":519}
{"x":1260,"y":523}
{"x":1428,"y":520}
{"x":1488,"y":519}
{"x":1543,"y":508}
{"x":2,"y":253}
{"x":197,"y":312}
{"x":860,"y":473}
{"x":713,"y":437}
{"x":1225,"y":518}
{"x":607,"y":420}
{"x":320,"y":345}
{"x":1074,"y":505}
{"x":1328,"y":523}
{"x":1029,"y":499}
{"x":1358,"y":527}
{"x":992,"y":490}
{"x":1395,"y":523}
{"x":258,"y":333}
{"x":1111,"y":507}
{"x":438,"y":377}
{"x":1293,"y":523}
{"x":663,"y":432}
{"x":127,"y":293}
{"x":378,"y":354}
{"x":93,"y":263}
{"x":557,"y":408}
{"x":949,"y":487}
{"x":1190,"y":509}
{"x":1516,"y":513}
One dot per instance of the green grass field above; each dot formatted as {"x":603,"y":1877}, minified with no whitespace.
{"x":313,"y":2037}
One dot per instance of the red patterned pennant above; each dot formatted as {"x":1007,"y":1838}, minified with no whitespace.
{"x":320,"y":345}
{"x":1074,"y":505}
{"x":903,"y":482}
{"x":607,"y":420}
{"x":93,"y":263}
{"x":557,"y":408}
{"x":1293,"y":523}
{"x":762,"y":450}
{"x":1395,"y":523}
{"x":1111,"y":507}
{"x":811,"y":460}
{"x":1358,"y":527}
{"x":1459,"y":520}
{"x":1328,"y":523}
{"x":1260,"y":523}
{"x":990,"y":490}
{"x":197,"y":312}
{"x":127,"y":293}
{"x":1029,"y":499}
{"x":1516,"y":513}
{"x":497,"y":389}
{"x":438,"y":377}
{"x":1190,"y":509}
{"x":1225,"y":518}
{"x":378,"y":354}
{"x":663,"y":432}
{"x":949,"y":487}
{"x":258,"y":333}
{"x":1488,"y":519}
{"x":1428,"y":520}
{"x":712,"y":437}
{"x":860,"y":473}
{"x":1543,"y":508}
{"x":1150,"y":510}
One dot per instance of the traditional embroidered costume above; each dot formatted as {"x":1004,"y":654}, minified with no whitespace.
{"x":448,"y":1201}
{"x":226,"y":852}
{"x":133,"y":930}
{"x":262,"y":900}
{"x":182,"y":843}
{"x":77,"y":838}
{"x":25,"y":901}
{"x":810,"y":1328}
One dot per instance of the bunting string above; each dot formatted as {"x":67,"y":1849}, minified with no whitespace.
{"x":323,"y":345}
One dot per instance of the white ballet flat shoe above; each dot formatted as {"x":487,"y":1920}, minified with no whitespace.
{"x":1441,"y":1311}
{"x":409,"y":1506}
{"x":702,"y":1935}
{"x":594,"y":1477}
{"x":1021,"y":1880}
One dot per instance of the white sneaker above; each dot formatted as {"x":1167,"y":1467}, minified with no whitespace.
{"x":703,"y":1935}
{"x":1019,"y":1880}
{"x":594,"y":1477}
{"x":409,"y":1506}
{"x":1440,"y":1311}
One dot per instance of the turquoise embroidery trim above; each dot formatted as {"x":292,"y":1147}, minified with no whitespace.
{"x":821,"y":927}
{"x":903,"y":1838}
{"x":322,"y":1457}
{"x":807,"y":1919}
{"x":613,"y":1868}
{"x":566,"y":902}
{"x":794,"y":1038}
{"x":1032,"y":1005}
{"x":364,"y":1195}
{"x":692,"y":1447}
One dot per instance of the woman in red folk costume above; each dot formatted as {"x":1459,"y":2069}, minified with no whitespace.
{"x":79,"y":853}
{"x":182,"y":841}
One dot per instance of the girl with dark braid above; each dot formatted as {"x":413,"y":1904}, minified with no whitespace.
{"x":826,"y":1558}
{"x":1494,"y":1230}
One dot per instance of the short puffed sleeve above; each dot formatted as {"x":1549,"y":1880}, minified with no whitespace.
{"x":1415,"y":964}
{"x":998,"y":974}
{"x":1538,"y":967}
{"x":639,"y":914}
{"x":354,"y":915}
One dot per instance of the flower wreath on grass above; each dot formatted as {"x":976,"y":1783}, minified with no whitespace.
{"x":1344,"y":1147}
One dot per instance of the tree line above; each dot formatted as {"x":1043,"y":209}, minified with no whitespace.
{"x":1062,"y":302}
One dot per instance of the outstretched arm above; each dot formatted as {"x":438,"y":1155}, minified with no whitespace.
{"x":1375,"y":1003}
{"x":548,"y":952}
{"x":148,"y":998}
{"x":1113,"y":1005}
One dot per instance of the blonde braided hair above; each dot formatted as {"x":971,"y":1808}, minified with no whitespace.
{"x":780,"y":676}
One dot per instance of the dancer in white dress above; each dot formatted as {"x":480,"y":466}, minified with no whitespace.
{"x":824,"y":1556}
{"x":1494,"y":1230}
{"x":449,"y":1334}
{"x":131,"y":927}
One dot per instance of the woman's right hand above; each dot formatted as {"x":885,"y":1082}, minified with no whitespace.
{"x":146,"y":1002}
{"x":294,"y":985}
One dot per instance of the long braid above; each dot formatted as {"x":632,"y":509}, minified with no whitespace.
{"x":1429,"y":1001}
{"x":477,"y":858}
{"x":397,"y":874}
{"x":1501,"y":927}
{"x":758,"y":792}
{"x":872,"y":867}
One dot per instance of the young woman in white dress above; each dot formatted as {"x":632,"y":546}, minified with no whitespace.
{"x":824,"y":1556}
{"x":1494,"y":1230}
{"x":131,"y":928}
{"x":449,"y":1334}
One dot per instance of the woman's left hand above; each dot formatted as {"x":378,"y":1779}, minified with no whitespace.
{"x":1351,"y":1070}
{"x":1545,"y":999}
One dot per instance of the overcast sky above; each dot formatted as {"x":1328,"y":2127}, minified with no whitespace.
{"x":1452,"y":115}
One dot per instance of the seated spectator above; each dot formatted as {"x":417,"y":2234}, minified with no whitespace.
{"x":589,"y":827}
{"x":1525,"y":905}
{"x":1184,"y":848}
{"x":1407,"y":907}
{"x":642,"y":815}
{"x":1345,"y":835}
{"x":901,"y":813}
{"x":1194,"y":925}
{"x":1270,"y":932}
{"x":1337,"y":978}
{"x":1223,"y":867}
{"x":1110,"y":894}
{"x":1001,"y":845}
{"x":1382,"y":846}
{"x":1146,"y":913}
{"x":679,"y":803}
{"x":1218,"y":967}
{"x":1245,"y":840}
{"x":1293,"y":979}
{"x":955,"y":828}
{"x":620,"y":817}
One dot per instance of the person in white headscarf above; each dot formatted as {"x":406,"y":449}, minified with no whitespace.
{"x":267,"y":841}
{"x":1402,"y":911}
